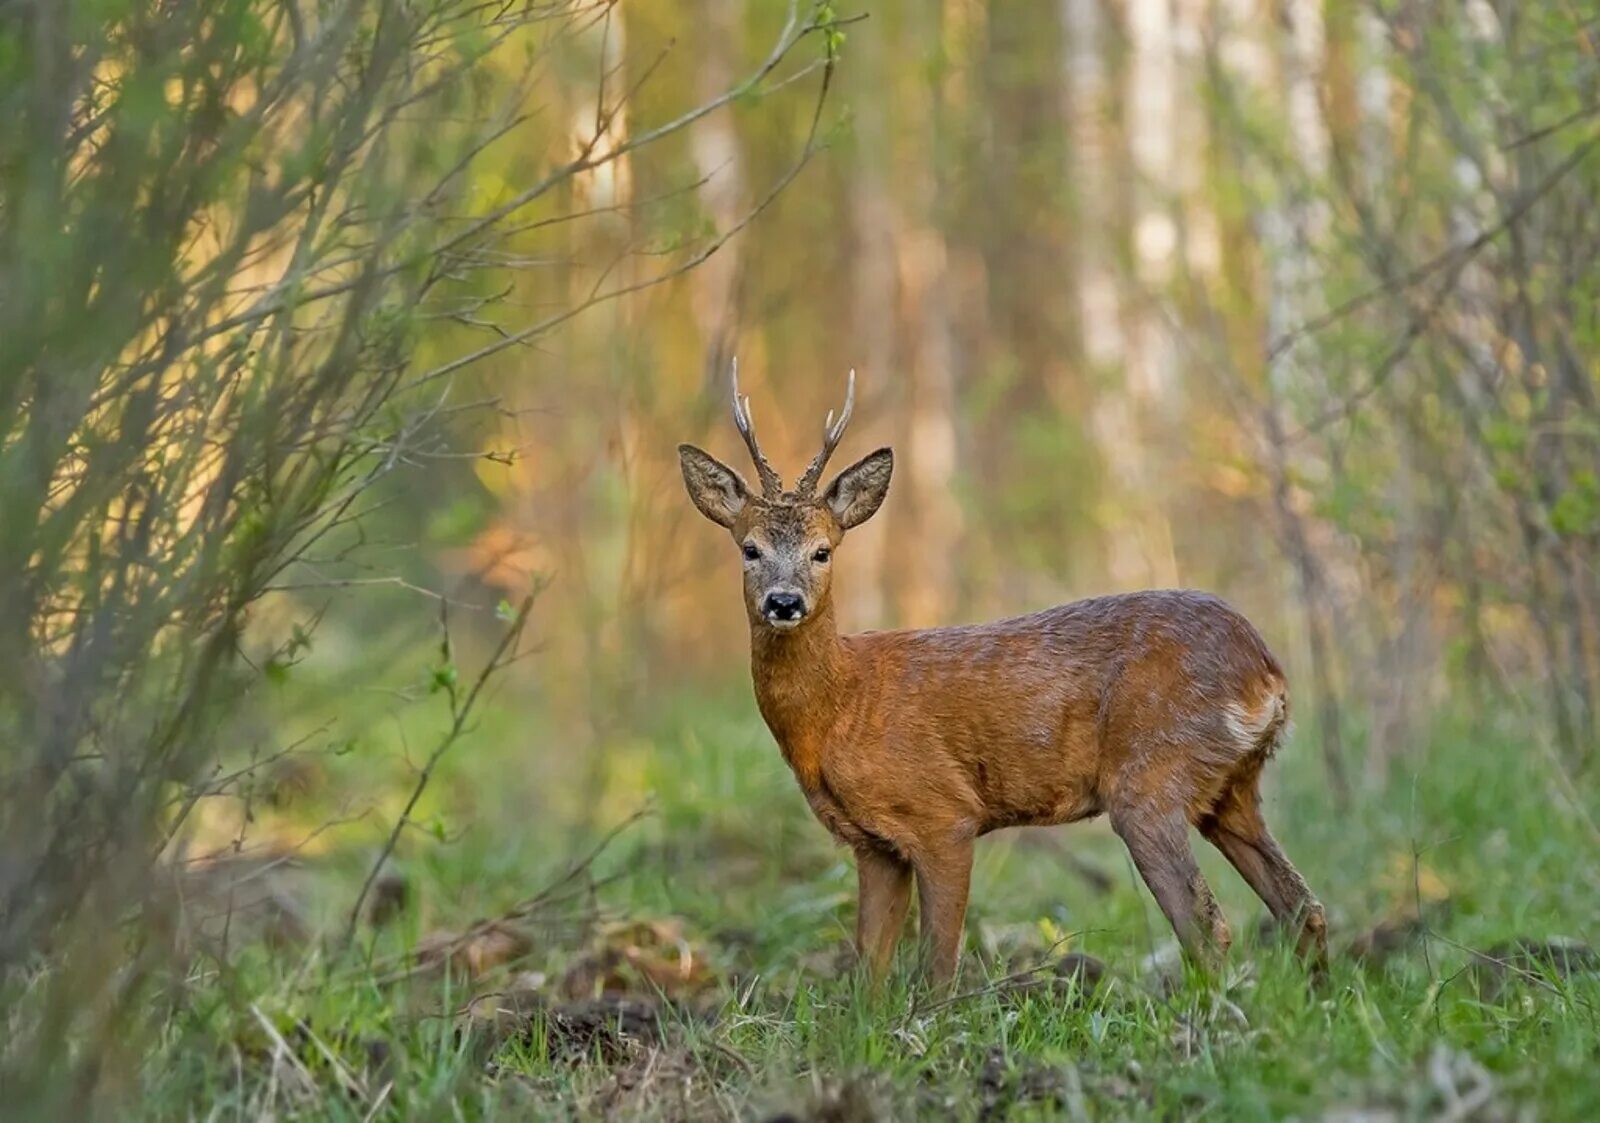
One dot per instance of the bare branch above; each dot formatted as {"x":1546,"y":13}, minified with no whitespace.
{"x":461,"y":711}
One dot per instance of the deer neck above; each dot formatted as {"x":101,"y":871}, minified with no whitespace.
{"x":800,"y":678}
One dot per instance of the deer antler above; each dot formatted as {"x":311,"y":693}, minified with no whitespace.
{"x":771,"y":483}
{"x":831,"y":432}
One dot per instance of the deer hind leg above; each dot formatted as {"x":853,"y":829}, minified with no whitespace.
{"x":885,"y":884}
{"x":1237,"y":828}
{"x":1159,"y":843}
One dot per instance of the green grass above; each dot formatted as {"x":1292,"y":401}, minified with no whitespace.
{"x":764,"y":904}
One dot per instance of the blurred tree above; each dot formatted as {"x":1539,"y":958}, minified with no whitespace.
{"x":1425,"y":411}
{"x":1137,"y":289}
{"x":247,"y":247}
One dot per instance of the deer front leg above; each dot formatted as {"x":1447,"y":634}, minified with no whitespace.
{"x":885,"y":897}
{"x":943,"y":878}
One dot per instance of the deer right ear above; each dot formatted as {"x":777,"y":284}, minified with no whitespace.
{"x":715,"y":488}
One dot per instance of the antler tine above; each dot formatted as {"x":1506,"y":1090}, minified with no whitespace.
{"x":771,"y":482}
{"x":831,"y":433}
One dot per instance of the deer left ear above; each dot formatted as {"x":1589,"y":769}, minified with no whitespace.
{"x":856,"y":493}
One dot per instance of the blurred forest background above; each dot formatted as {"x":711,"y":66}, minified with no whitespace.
{"x":1291,"y":301}
{"x":331,"y":331}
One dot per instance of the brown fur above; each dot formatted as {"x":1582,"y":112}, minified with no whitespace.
{"x":1156,"y":708}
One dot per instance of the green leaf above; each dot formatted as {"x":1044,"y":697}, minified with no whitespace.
{"x":1576,"y":512}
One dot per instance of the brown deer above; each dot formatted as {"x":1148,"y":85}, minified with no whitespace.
{"x":1159,"y":709}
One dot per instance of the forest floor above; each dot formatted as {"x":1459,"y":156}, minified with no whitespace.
{"x":691,"y":962}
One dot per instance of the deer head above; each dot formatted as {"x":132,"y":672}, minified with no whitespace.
{"x":786,"y":539}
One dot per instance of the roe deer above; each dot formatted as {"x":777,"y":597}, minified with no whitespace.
{"x":1157,"y":708}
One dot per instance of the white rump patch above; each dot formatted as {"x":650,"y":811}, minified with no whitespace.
{"x":1251,"y":726}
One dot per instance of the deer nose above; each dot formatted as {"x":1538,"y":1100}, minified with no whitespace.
{"x":783,"y":606}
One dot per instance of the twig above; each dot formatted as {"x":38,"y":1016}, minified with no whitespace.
{"x":350,"y":1080}
{"x":1484,"y":957}
{"x":549,"y":895}
{"x":461,"y":711}
{"x":1465,"y":250}
{"x":546,"y":894}
{"x":997,"y":985}
{"x":1581,"y":113}
{"x":378,"y":1102}
{"x":599,"y":296}
{"x":280,"y":1048}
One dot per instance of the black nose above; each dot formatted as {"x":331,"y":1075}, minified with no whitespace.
{"x":783,"y":606}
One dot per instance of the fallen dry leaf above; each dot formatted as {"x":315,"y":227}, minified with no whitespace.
{"x":506,"y":1010}
{"x":480,"y":949}
{"x":647,"y":956}
{"x":292,"y":778}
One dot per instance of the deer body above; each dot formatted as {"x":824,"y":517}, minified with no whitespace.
{"x":1036,"y":720}
{"x":1156,"y":708}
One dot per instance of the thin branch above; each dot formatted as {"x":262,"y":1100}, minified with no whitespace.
{"x":1454,"y":256}
{"x":461,"y":711}
{"x":596,"y":297}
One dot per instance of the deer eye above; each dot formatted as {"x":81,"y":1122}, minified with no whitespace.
{"x":751,"y":552}
{"x":822,"y":555}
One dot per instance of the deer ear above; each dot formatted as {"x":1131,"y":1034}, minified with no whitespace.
{"x":716,"y":489}
{"x":856,"y":493}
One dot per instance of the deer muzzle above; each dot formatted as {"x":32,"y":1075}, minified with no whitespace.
{"x":783,"y":609}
